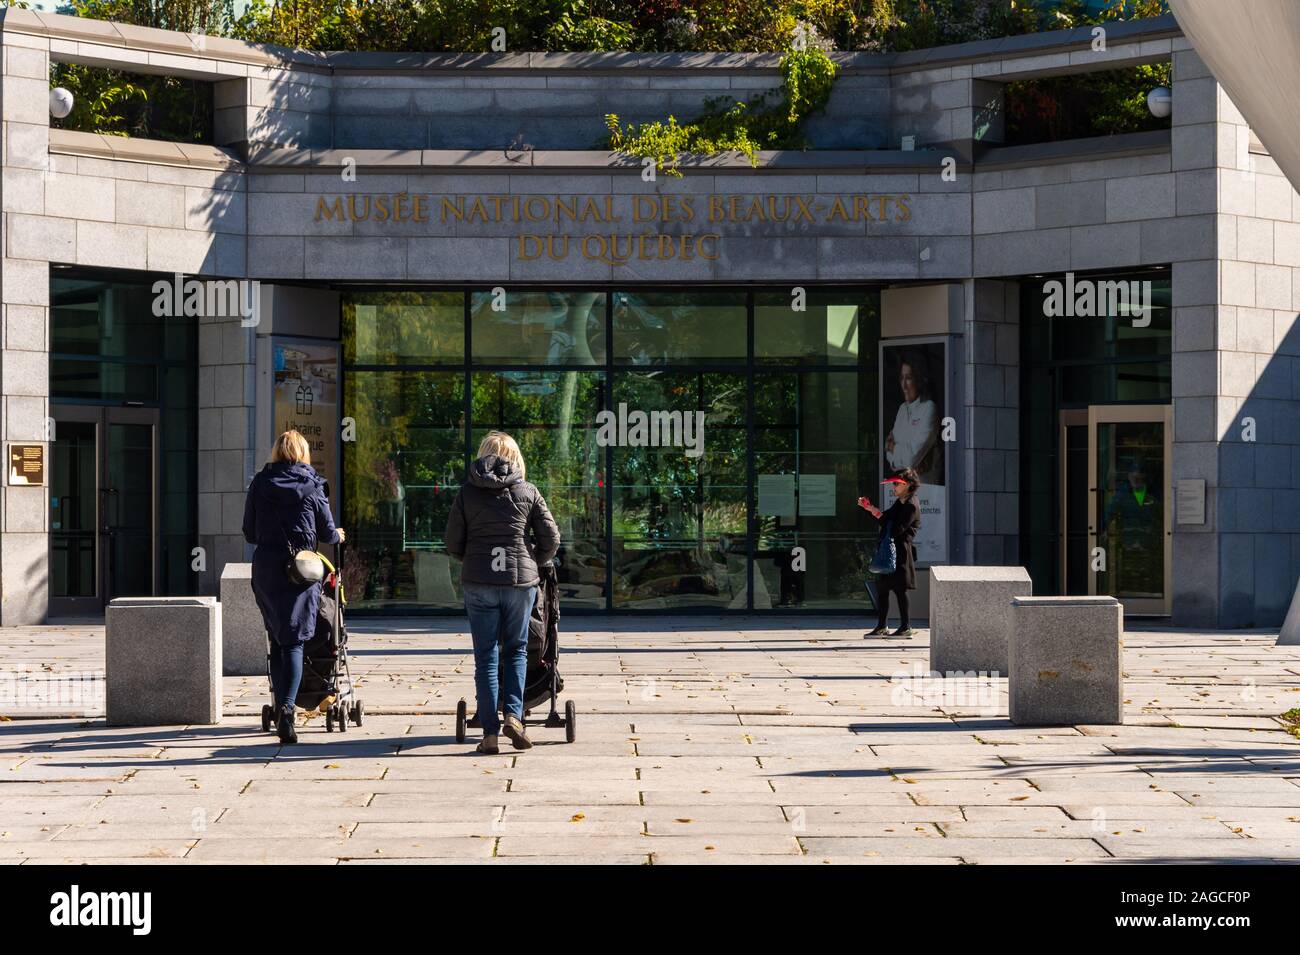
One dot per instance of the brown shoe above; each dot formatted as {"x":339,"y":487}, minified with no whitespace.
{"x":514,"y":729}
{"x":488,"y":747}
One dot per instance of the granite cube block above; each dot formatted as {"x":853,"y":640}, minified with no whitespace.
{"x":162,"y":661}
{"x":1064,"y":661}
{"x":970,"y":616}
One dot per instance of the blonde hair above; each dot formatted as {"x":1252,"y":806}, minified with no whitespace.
{"x":503,"y":446}
{"x":291,"y":446}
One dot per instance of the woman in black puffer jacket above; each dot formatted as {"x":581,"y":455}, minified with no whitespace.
{"x":501,"y":531}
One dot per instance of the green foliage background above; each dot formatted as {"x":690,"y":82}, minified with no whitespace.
{"x":169,"y":108}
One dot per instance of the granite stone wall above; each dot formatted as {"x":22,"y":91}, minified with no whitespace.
{"x":24,"y":320}
{"x":1237,"y":371}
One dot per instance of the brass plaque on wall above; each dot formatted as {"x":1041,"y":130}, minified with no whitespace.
{"x":26,"y":464}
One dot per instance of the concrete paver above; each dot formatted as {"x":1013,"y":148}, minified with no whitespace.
{"x":700,"y":740}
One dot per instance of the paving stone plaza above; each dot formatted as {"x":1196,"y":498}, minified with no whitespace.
{"x":699,"y":740}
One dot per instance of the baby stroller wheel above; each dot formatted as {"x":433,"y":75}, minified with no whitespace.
{"x":329,"y":720}
{"x":570,"y":721}
{"x":357,"y":712}
{"x":266,"y":717}
{"x":342,"y":717}
{"x":460,"y":722}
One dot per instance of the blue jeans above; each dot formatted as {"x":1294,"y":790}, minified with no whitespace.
{"x":286,"y":673}
{"x":498,"y":622}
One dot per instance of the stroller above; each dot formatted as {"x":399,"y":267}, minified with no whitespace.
{"x":326,"y":678}
{"x":542,"y":680}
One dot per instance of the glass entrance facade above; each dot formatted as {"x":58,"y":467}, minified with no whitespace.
{"x":709,"y":518}
{"x":1068,"y":365}
{"x":123,"y":473}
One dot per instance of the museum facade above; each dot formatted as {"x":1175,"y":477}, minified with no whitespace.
{"x":1086,"y":347}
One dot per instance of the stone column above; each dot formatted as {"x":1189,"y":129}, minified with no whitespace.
{"x":24,"y":301}
{"x":227,"y":451}
{"x":1235,"y":346}
{"x":1197,"y":325}
{"x":991,"y":423}
{"x":1257,"y":406}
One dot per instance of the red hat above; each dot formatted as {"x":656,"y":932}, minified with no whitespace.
{"x":894,"y":480}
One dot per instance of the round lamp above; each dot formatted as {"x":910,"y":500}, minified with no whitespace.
{"x":60,"y":102}
{"x":1161,"y":102}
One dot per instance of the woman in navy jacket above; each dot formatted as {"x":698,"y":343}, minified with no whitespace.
{"x":287,"y":510}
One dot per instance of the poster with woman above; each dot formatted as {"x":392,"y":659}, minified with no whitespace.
{"x":913,"y":404}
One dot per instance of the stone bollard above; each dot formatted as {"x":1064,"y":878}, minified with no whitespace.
{"x":162,"y":661}
{"x":1064,"y":661}
{"x":243,"y":632}
{"x":970,"y":616}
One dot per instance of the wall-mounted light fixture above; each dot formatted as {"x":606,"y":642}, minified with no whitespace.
{"x":60,"y":102}
{"x":1161,"y":102}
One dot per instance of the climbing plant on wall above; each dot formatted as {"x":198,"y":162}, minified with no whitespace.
{"x":771,"y":120}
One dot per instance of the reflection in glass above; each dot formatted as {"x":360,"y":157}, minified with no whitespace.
{"x":1121,"y":334}
{"x":827,"y":331}
{"x":677,"y":327}
{"x":815,"y":429}
{"x":74,"y":488}
{"x":401,"y":475}
{"x":1131,"y":512}
{"x":114,"y":381}
{"x":1129,"y":381}
{"x":551,"y":415}
{"x":538,"y":327}
{"x":414,"y":328}
{"x":129,"y":508}
{"x":106,"y":319}
{"x":178,"y":482}
{"x":1077,"y":544}
{"x":674,"y":528}
{"x":108,"y":347}
{"x":680,"y":521}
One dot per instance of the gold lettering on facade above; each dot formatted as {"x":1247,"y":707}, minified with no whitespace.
{"x":329,"y":210}
{"x":654,"y":212}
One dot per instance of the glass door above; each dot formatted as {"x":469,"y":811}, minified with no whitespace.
{"x":74,"y":512}
{"x":1075,"y":537}
{"x":1129,"y":507}
{"x":103,"y":507}
{"x":128,"y":502}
